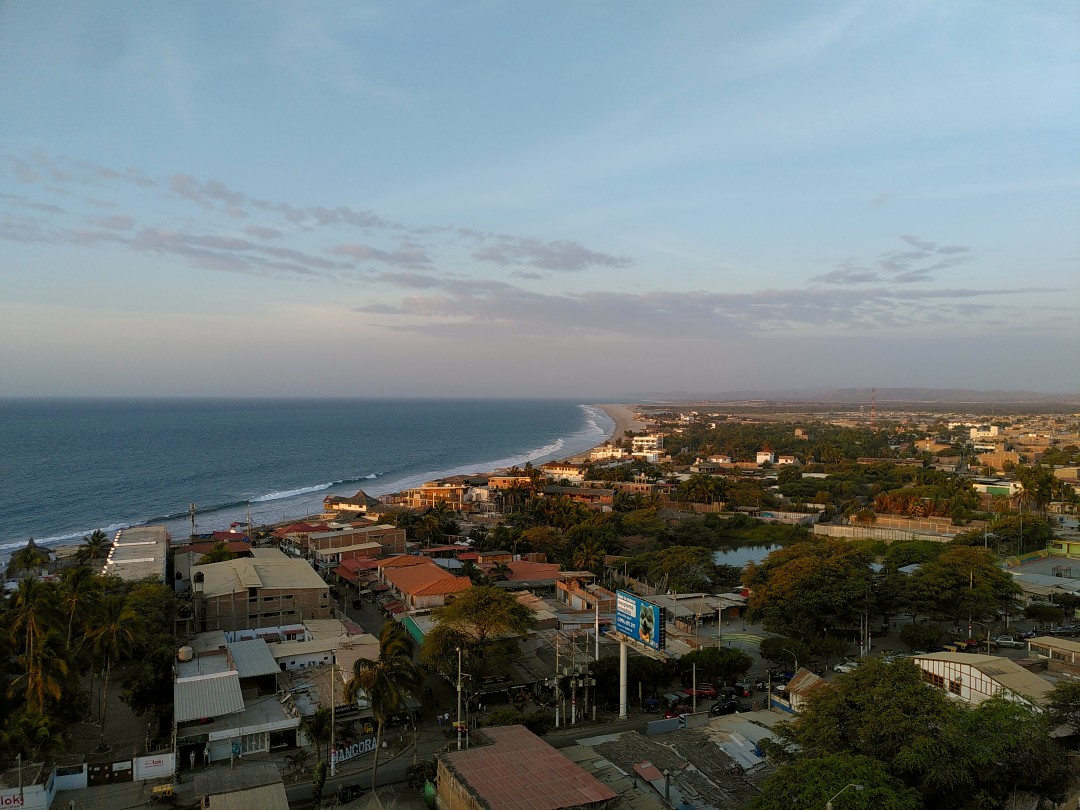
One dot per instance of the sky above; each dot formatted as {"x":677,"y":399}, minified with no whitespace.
{"x":564,"y":199}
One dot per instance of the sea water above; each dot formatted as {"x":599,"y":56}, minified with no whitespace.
{"x":68,"y":467}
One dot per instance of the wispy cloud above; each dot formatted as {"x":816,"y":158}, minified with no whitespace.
{"x":562,"y":255}
{"x":922,"y":262}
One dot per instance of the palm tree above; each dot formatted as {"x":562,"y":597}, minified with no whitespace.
{"x":113,"y":632}
{"x":500,"y":572}
{"x":320,"y":727}
{"x":28,"y":558}
{"x":219,"y":553}
{"x":589,"y":555}
{"x":33,"y":612}
{"x":80,"y":590}
{"x":95,"y":546}
{"x":386,"y":681}
{"x":44,"y":670}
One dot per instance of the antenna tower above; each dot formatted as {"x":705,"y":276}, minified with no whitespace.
{"x":873,"y":407}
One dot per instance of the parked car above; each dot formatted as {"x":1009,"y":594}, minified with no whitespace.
{"x":678,"y":711}
{"x":702,"y":690}
{"x":722,"y":707}
{"x":1008,"y":641}
{"x":1065,"y":630}
{"x":847,"y":666}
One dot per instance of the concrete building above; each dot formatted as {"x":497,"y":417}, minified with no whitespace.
{"x":140,"y":552}
{"x":266,"y":590}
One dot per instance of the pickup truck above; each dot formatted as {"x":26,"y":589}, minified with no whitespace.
{"x":1008,"y":641}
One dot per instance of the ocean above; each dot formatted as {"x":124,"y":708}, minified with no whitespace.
{"x":68,"y":467}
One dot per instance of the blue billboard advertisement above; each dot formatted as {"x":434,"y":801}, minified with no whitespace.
{"x":640,"y":620}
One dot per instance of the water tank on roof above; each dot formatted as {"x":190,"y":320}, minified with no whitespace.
{"x":185,"y":653}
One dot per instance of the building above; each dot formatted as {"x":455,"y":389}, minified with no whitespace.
{"x":186,"y":557}
{"x":606,"y":452}
{"x":517,"y":771}
{"x":1060,"y":654}
{"x":764,"y":457}
{"x":138,"y":553}
{"x":357,"y":504}
{"x":649,"y":442}
{"x":268,"y":589}
{"x":454,"y":495}
{"x":974,"y":678}
{"x":226,"y":703}
{"x":559,"y":471}
{"x":426,"y":585}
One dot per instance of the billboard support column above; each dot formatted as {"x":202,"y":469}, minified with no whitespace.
{"x":622,"y":680}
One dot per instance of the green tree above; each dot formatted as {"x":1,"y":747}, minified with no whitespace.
{"x":111,"y":635}
{"x":95,"y":546}
{"x":319,"y":728}
{"x":386,"y":681}
{"x":955,"y":755}
{"x":27,"y":559}
{"x":1063,"y":703}
{"x":80,"y":591}
{"x":964,"y":582}
{"x":1044,"y":613}
{"x":218,"y":553}
{"x":812,"y":781}
{"x":715,"y":665}
{"x":483,"y":622}
{"x":784,"y":652}
{"x":807,"y":588}
{"x":922,"y":635}
{"x":34,"y":614}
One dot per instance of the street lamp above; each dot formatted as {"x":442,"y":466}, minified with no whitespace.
{"x":793,"y":655}
{"x":987,"y":635}
{"x":828,"y":804}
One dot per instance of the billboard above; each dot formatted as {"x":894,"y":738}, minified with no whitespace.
{"x":640,"y":620}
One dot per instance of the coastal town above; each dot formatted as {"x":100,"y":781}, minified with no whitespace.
{"x":724,"y":605}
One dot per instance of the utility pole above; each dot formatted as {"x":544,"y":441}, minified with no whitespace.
{"x":459,"y":698}
{"x":333,"y":712}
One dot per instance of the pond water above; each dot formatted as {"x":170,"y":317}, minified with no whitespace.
{"x":740,"y":555}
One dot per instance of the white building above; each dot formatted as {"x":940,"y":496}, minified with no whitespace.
{"x":765,"y":457}
{"x":650,"y":441}
{"x":974,"y":678}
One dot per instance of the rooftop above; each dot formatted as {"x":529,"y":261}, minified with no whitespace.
{"x":519,"y":771}
{"x":267,"y":568}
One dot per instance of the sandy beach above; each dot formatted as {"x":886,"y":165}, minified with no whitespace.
{"x":623,"y":415}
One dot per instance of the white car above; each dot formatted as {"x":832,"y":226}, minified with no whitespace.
{"x":846,"y":667}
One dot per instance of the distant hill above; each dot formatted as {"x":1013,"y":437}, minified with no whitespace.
{"x":883,"y":396}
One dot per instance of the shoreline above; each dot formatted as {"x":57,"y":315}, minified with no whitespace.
{"x":623,"y":416}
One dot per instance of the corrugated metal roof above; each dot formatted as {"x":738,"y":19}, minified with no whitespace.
{"x":253,"y":658}
{"x":210,"y":696}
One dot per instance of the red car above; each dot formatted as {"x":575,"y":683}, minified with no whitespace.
{"x":702,"y":690}
{"x":678,"y":711}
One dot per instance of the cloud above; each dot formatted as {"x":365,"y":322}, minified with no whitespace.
{"x":117,"y":223}
{"x":562,"y":255}
{"x":410,"y":256}
{"x":262,"y":232}
{"x":920,"y":264}
{"x":232,"y":253}
{"x":27,"y":202}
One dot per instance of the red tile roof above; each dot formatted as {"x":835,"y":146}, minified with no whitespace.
{"x":519,"y":771}
{"x":425,"y":580}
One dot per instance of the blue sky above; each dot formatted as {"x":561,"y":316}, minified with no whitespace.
{"x":561,"y":199}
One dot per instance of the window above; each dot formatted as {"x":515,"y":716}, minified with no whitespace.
{"x":954,"y":687}
{"x":936,"y":680}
